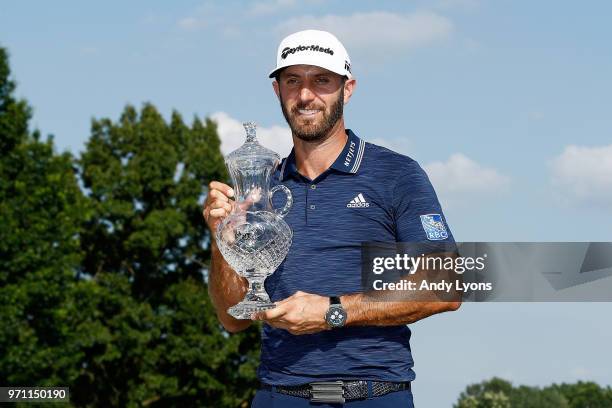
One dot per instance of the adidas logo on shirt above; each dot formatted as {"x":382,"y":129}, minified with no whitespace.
{"x":358,"y":202}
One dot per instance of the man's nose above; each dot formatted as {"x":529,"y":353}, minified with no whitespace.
{"x":306,"y":94}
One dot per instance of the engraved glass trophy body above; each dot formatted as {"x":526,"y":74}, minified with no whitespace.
{"x":254,"y":239}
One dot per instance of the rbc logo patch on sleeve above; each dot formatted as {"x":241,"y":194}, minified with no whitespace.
{"x":434,"y":227}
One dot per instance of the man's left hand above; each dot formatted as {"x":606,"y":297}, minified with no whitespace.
{"x":300,"y":313}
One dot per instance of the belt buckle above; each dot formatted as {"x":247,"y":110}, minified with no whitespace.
{"x":330,"y":392}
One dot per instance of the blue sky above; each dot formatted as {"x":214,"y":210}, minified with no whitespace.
{"x":506,"y":105}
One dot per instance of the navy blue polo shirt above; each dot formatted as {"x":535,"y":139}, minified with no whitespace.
{"x":368,"y":194}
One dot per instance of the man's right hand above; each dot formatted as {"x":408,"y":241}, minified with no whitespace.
{"x":218,"y":204}
{"x":225,"y":286}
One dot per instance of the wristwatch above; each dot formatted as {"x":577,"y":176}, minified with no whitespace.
{"x":336,"y":315}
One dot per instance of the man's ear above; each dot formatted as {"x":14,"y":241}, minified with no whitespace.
{"x":276,"y":89}
{"x":349,"y":87}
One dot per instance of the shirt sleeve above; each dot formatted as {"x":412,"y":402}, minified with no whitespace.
{"x":418,"y":215}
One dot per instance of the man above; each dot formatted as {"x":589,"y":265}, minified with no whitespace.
{"x":345,"y":192}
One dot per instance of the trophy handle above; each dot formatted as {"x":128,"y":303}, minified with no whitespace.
{"x":283,"y":211}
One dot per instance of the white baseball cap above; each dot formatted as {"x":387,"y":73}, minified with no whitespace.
{"x":313,"y":47}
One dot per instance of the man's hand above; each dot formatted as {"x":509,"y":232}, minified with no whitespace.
{"x":225,"y":286}
{"x":218,"y":204}
{"x":300,"y":313}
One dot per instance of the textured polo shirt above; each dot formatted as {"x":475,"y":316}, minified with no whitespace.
{"x":368,"y":194}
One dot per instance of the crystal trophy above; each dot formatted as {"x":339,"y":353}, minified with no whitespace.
{"x":254,"y":239}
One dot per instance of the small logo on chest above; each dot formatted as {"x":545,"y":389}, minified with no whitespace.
{"x":358,"y":202}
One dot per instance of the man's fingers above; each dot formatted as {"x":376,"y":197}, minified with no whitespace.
{"x":267,"y":314}
{"x":222,"y":187}
{"x":275,"y":313}
{"x":218,"y":212}
{"x":218,"y":195}
{"x":221,"y":204}
{"x":271,"y":314}
{"x":245,"y":205}
{"x":217,"y":202}
{"x":254,"y":196}
{"x":218,"y":208}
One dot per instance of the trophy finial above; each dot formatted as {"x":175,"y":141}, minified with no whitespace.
{"x":250,"y":128}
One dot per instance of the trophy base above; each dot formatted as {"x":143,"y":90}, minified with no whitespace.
{"x":245,"y":309}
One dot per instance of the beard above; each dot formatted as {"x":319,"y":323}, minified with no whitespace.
{"x":313,"y":131}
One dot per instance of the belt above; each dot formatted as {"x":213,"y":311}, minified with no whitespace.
{"x":338,"y":391}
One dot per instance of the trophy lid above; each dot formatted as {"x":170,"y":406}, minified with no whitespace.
{"x":251,"y":153}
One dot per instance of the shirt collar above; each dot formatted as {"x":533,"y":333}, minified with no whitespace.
{"x":348,"y":161}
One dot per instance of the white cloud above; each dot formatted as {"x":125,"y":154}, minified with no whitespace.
{"x":232,"y":134}
{"x":460,"y":178}
{"x":583,"y":175}
{"x":377,"y":31}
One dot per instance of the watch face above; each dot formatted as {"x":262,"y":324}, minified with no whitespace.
{"x":336,"y":316}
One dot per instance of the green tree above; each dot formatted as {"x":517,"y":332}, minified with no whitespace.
{"x":105,"y":291}
{"x":154,"y":337}
{"x":585,"y":394}
{"x":487,"y":399}
{"x":534,"y":397}
{"x":41,"y":209}
{"x":500,"y":393}
{"x":489,"y":394}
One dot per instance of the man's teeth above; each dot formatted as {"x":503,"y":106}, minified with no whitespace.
{"x":308,"y":111}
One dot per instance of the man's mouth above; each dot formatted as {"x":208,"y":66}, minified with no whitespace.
{"x":308,"y":112}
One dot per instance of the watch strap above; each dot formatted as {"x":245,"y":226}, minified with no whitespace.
{"x":335,"y":300}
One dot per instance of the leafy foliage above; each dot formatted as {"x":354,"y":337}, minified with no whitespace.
{"x":103,"y":286}
{"x":498,"y":393}
{"x":41,"y":207}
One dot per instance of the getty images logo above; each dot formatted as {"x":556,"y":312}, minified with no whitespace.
{"x":358,"y":202}
{"x":288,"y":50}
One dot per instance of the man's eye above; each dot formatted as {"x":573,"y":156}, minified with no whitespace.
{"x":322,"y":80}
{"x":291,"y":81}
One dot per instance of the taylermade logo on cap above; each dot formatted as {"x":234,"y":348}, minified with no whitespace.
{"x":292,"y":50}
